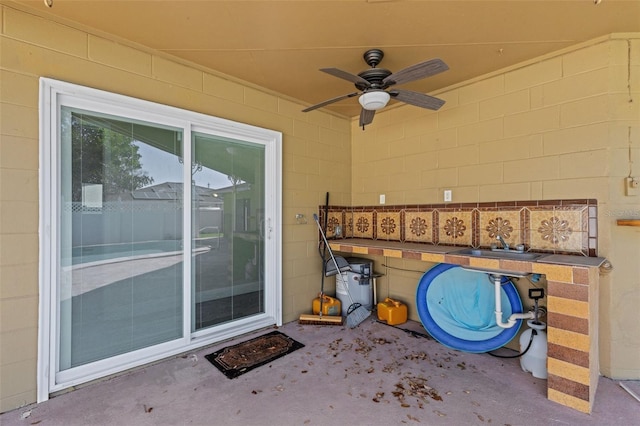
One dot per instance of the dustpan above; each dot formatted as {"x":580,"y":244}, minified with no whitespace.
{"x":331,"y":268}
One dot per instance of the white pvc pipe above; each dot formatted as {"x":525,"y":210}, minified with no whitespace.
{"x":514,"y":317}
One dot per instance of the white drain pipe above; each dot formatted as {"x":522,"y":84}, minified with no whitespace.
{"x":497,"y":281}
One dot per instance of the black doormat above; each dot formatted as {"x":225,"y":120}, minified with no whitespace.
{"x":236,"y":360}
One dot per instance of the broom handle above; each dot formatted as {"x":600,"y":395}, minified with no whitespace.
{"x":323,"y":254}
{"x":335,"y":263}
{"x":326,"y":243}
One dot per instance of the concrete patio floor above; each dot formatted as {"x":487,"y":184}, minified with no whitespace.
{"x":371,"y":375}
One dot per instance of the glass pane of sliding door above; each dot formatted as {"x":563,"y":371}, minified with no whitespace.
{"x":228,"y":204}
{"x":120,"y":248}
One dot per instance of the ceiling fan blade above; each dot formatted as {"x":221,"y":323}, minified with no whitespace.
{"x":330,"y":101}
{"x":418,"y":99}
{"x":366,"y":117}
{"x":416,"y":72}
{"x":346,"y":76}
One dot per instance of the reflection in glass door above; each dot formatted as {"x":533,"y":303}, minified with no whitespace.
{"x":120,"y":248}
{"x":227,"y":229}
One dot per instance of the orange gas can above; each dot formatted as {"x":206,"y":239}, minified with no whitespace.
{"x":392,"y":311}
{"x":330,"y":306}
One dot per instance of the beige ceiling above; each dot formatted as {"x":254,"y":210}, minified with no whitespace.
{"x":281,"y":45}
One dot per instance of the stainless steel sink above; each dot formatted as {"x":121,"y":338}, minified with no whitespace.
{"x":498,"y":254}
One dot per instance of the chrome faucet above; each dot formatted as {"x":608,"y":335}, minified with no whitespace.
{"x":505,"y":245}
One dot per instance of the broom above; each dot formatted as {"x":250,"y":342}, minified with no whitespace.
{"x":356,"y":313}
{"x":321,"y":319}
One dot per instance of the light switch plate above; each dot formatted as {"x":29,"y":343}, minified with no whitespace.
{"x":382,"y":199}
{"x":447,"y":195}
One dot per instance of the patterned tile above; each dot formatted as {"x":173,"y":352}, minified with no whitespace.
{"x":562,"y":230}
{"x":418,"y":226}
{"x":525,"y":222}
{"x":505,"y":223}
{"x":335,"y":220}
{"x":388,"y":225}
{"x":455,"y":227}
{"x":347,"y":231}
{"x":475,"y":225}
{"x":362,"y":225}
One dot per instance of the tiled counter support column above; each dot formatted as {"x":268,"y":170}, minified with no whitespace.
{"x":572,"y":331}
{"x":572,"y":314}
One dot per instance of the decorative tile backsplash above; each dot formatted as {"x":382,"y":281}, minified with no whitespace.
{"x":556,"y":226}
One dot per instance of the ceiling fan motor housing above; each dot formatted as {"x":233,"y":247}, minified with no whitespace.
{"x":374,"y":76}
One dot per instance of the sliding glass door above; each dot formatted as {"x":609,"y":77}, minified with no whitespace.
{"x":227,"y":229}
{"x":120,"y":242}
{"x":157,"y":232}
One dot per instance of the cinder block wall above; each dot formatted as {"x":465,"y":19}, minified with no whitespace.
{"x":566,"y":125}
{"x":32,"y":46}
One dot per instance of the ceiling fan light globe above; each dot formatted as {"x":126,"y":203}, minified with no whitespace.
{"x":374,"y":100}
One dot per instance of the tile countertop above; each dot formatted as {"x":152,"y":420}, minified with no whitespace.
{"x":559,"y":259}
{"x":566,"y":259}
{"x":394,"y":245}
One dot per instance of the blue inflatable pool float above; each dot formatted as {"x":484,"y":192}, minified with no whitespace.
{"x":457,"y":308}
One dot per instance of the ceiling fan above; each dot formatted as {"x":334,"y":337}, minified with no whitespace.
{"x":374,"y":82}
